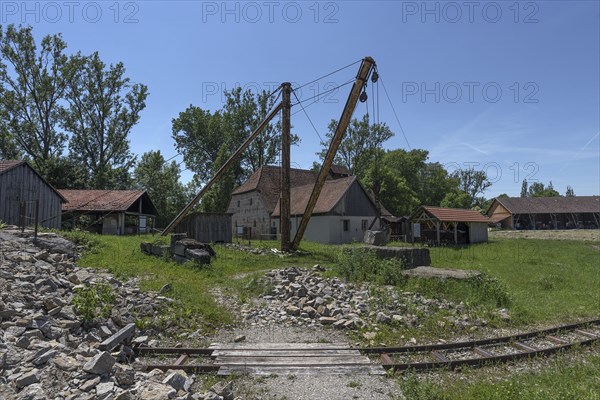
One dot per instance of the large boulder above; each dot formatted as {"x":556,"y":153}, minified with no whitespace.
{"x":411,"y":257}
{"x":377,"y":238}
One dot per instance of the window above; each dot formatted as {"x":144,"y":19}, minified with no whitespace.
{"x":346,"y":223}
{"x":238,"y":203}
{"x":364,"y":224}
{"x":250,"y":200}
{"x":254,"y":223}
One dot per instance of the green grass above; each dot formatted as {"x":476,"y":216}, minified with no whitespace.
{"x":560,"y":378}
{"x":548,"y":280}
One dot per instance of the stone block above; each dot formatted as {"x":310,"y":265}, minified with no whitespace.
{"x":411,"y":257}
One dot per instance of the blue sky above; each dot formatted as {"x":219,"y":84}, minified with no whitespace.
{"x":509,"y":87}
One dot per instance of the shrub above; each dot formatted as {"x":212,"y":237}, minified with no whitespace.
{"x":362,"y":265}
{"x":93,"y":301}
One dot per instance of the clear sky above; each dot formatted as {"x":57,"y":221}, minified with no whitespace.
{"x":509,"y":87}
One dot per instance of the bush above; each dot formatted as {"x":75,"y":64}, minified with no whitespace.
{"x":362,"y":265}
{"x":93,"y":301}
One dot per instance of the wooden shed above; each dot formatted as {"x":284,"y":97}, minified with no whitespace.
{"x":23,"y":192}
{"x":110,"y":212}
{"x":207,"y":227}
{"x":449,"y":225}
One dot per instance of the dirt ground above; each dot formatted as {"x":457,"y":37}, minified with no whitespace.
{"x":588,"y":235}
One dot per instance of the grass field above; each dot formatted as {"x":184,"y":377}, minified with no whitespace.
{"x":538,"y":281}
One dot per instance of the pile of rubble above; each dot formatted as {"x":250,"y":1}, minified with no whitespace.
{"x":46,"y":352}
{"x":181,"y":250}
{"x":303,"y":297}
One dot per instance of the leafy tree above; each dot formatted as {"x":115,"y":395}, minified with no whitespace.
{"x":207,"y":140}
{"x":570,"y":192}
{"x":456,"y":199}
{"x":538,"y":189}
{"x":104,"y":107}
{"x":524,"y":188}
{"x":359,"y":145}
{"x":472,"y":182}
{"x":161,"y":180}
{"x":33,"y":82}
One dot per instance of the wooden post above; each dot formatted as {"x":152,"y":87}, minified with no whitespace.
{"x":437,"y":229}
{"x":36,"y":221}
{"x":22,"y":206}
{"x":456,"y":233}
{"x":285,"y":211}
{"x":359,"y":83}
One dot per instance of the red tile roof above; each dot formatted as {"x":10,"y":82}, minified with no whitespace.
{"x":453,"y":214}
{"x":5,"y":165}
{"x":267,"y":180}
{"x":331,"y":194}
{"x":100,"y":200}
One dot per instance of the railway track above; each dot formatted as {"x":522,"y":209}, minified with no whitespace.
{"x":311,"y":358}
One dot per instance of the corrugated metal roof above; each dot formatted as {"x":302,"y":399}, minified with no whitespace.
{"x":6,"y":165}
{"x":100,"y":200}
{"x":332,"y":192}
{"x":454,"y":214}
{"x":550,"y":205}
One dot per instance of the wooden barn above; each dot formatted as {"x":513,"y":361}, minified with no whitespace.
{"x":449,"y":225}
{"x":571,"y":212}
{"x":343,"y":213}
{"x":207,"y":227}
{"x":110,"y":212}
{"x":23,"y":192}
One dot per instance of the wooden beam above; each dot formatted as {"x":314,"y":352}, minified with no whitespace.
{"x":359,"y":83}
{"x":222,"y":170}
{"x":285,"y":208}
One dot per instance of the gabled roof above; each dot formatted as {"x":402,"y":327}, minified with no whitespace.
{"x":7,"y":165}
{"x":451,"y":214}
{"x":104,"y":200}
{"x":550,"y":205}
{"x":267,"y":181}
{"x":333,"y":191}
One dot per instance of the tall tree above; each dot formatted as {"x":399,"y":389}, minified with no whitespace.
{"x":359,"y":145}
{"x":538,"y":189}
{"x":524,"y":188}
{"x":456,"y":199}
{"x":570,"y":192}
{"x":104,"y":107}
{"x":472,"y":182}
{"x":207,"y":140}
{"x":161,"y":180}
{"x":33,"y":82}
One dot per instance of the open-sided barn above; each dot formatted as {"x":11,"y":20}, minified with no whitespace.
{"x":450,"y":225}
{"x":112,"y":212}
{"x":581,"y":212}
{"x":23,"y":192}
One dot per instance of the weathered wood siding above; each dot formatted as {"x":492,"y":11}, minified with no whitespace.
{"x":478,"y":232}
{"x":207,"y":228}
{"x":355,"y":203}
{"x":21,"y":183}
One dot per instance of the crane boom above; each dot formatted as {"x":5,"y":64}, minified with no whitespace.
{"x":361,"y":78}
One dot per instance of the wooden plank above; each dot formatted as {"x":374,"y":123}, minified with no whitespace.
{"x":482,"y":352}
{"x":523,"y":346}
{"x":292,"y":361}
{"x":278,"y":353}
{"x":586,"y":333}
{"x":321,"y":370}
{"x":279,"y":346}
{"x":118,"y":337}
{"x":556,"y":340}
{"x":386,"y":359}
{"x":182,"y":359}
{"x":438,"y":356}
